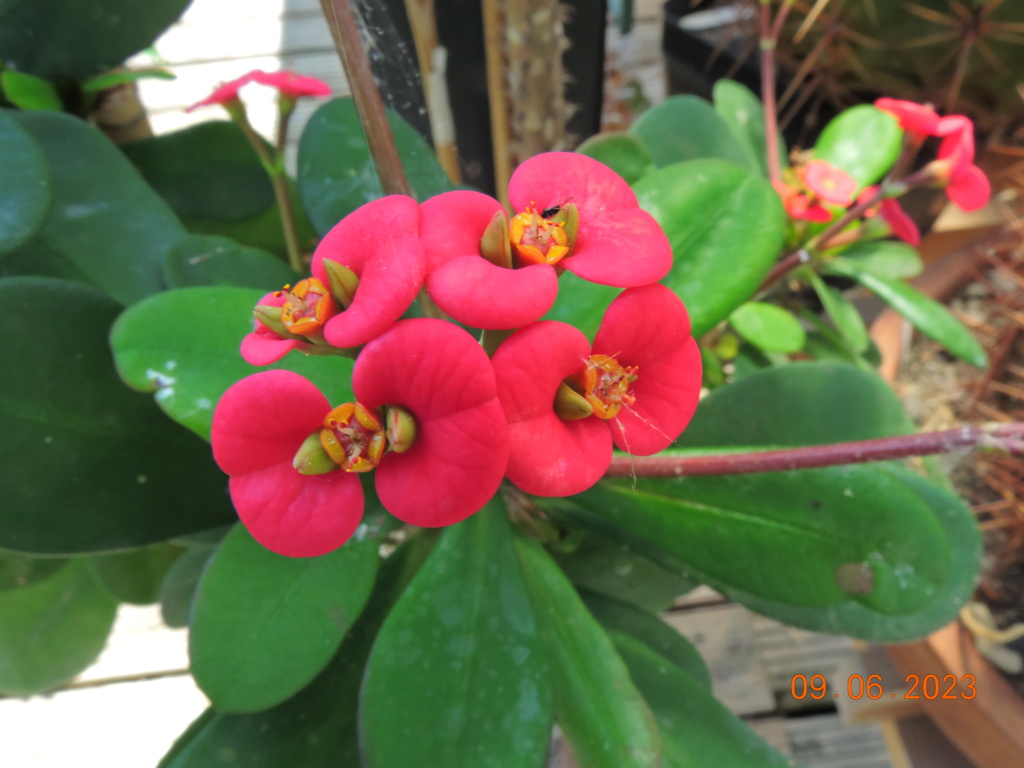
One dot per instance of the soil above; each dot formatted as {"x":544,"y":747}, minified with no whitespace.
{"x":941,"y":393}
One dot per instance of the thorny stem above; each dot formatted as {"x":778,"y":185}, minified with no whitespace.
{"x":1004,"y":436}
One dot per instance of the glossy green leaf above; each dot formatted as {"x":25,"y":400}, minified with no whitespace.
{"x":623,"y":619}
{"x":336,"y":174}
{"x":863,"y":141}
{"x":928,"y":316}
{"x":797,"y":405}
{"x":120,"y":77}
{"x":205,"y":171}
{"x":885,"y":258}
{"x":264,"y":625}
{"x":183,"y":345}
{"x":460,"y":658}
{"x":214,"y":260}
{"x":612,"y":568}
{"x":135,"y":576}
{"x":696,"y":729}
{"x":316,"y":728}
{"x":18,"y":570}
{"x":29,"y":92}
{"x":89,"y":465}
{"x":581,"y":303}
{"x":844,"y":315}
{"x":76,"y":38}
{"x":688,"y":128}
{"x":624,"y":154}
{"x":726,"y":226}
{"x":25,"y":185}
{"x":768,"y":326}
{"x":597,"y":706}
{"x":179,"y":585}
{"x":53,"y":629}
{"x":105,"y":224}
{"x":743,"y":112}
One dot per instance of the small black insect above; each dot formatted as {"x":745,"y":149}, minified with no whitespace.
{"x":547,"y":213}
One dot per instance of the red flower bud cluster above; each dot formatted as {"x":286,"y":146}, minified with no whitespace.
{"x":439,"y":423}
{"x":289,"y":84}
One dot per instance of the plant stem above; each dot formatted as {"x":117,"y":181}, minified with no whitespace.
{"x":771,"y":121}
{"x":1006,"y":436}
{"x":379,"y":138}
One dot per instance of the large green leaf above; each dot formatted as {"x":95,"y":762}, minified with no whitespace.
{"x":77,"y":38}
{"x":696,"y":730}
{"x":135,"y":576}
{"x":25,"y":188}
{"x":688,"y":128}
{"x":885,"y":258}
{"x":183,"y":345}
{"x":179,"y":585}
{"x":264,"y":625}
{"x":581,"y":303}
{"x":743,"y":112}
{"x":105,"y":225}
{"x":928,"y":316}
{"x":336,"y":173}
{"x":624,"y":154}
{"x":768,"y":327}
{"x":18,"y":571}
{"x":460,"y":659}
{"x":205,"y":171}
{"x":863,"y":141}
{"x":597,"y":706}
{"x":88,"y":465}
{"x":214,"y":260}
{"x":53,"y":629}
{"x":726,"y":226}
{"x":316,"y":728}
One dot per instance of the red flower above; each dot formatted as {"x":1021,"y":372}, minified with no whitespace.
{"x":966,"y":184}
{"x":829,"y":183}
{"x":258,"y":426}
{"x":380,"y":243}
{"x":574,"y":213}
{"x":800,"y":206}
{"x":919,"y":120}
{"x":440,"y":375}
{"x":289,"y":84}
{"x":641,"y":380}
{"x":899,"y":223}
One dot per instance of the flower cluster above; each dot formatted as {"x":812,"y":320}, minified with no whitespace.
{"x":290,"y":85}
{"x":439,"y":422}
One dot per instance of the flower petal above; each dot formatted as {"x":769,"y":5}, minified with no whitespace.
{"x":484,"y":295}
{"x":437,"y":372}
{"x":380,"y":243}
{"x":298,"y":515}
{"x":549,"y":456}
{"x":292,"y":84}
{"x":452,"y":223}
{"x":263,"y":419}
{"x":649,"y":327}
{"x":915,"y":118}
{"x":266,"y":348}
{"x":970,"y":189}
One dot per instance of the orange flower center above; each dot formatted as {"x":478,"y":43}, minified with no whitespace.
{"x":536,"y":239}
{"x":607,"y":385}
{"x":307,"y":307}
{"x":353,"y":437}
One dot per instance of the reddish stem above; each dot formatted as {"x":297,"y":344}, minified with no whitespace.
{"x":1003,"y":436}
{"x":771,"y":120}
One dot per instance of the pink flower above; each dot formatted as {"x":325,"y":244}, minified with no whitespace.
{"x":919,"y":120}
{"x":380,"y":243}
{"x":641,"y":381}
{"x":573,"y":213}
{"x":289,"y":84}
{"x":304,"y":310}
{"x":966,"y":184}
{"x":829,"y":183}
{"x":258,"y":426}
{"x":899,"y":223}
{"x":801,"y":206}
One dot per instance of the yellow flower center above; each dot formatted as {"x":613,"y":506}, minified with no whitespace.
{"x":353,"y":437}
{"x":307,"y":307}
{"x":537,"y":239}
{"x":606,"y":385}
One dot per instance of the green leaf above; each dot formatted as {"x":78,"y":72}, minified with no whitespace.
{"x":179,"y":585}
{"x":581,"y":303}
{"x":105,"y":224}
{"x":89,"y":465}
{"x":596,"y":704}
{"x":624,"y":154}
{"x":51,"y":630}
{"x":316,"y":728}
{"x":264,"y":625}
{"x":206,"y":171}
{"x":928,"y":316}
{"x":22,"y":570}
{"x":183,"y":345}
{"x":726,"y":226}
{"x":688,"y":128}
{"x":863,"y":141}
{"x":29,"y":92}
{"x":336,"y":173}
{"x":844,"y":315}
{"x":885,"y":258}
{"x":76,"y":38}
{"x":796,"y":405}
{"x":25,"y":185}
{"x":622,"y":619}
{"x":134,"y":577}
{"x":612,"y":568}
{"x":120,"y":77}
{"x":767,"y":326}
{"x":743,"y":112}
{"x":696,"y":730}
{"x":460,"y":658}
{"x":213,"y":260}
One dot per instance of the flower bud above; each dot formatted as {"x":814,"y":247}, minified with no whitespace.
{"x":569,"y":216}
{"x":401,"y":428}
{"x":343,"y":282}
{"x":312,"y":459}
{"x":271,"y":318}
{"x":495,"y":245}
{"x":570,"y":405}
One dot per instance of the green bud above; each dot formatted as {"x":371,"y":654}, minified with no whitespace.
{"x":495,"y":245}
{"x":400,"y":427}
{"x":569,"y":215}
{"x":570,"y":405}
{"x":343,"y":282}
{"x":312,"y":459}
{"x":271,"y":317}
